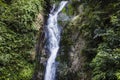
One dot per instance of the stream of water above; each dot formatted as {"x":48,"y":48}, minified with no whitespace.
{"x":52,"y":34}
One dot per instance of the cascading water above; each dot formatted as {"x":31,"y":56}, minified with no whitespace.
{"x":52,"y":34}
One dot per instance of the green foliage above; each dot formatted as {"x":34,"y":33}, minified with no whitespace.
{"x":98,"y":22}
{"x":101,"y":29}
{"x":17,"y":38}
{"x":26,"y":72}
{"x":118,"y":75}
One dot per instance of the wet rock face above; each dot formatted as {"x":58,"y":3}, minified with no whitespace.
{"x":39,"y":53}
{"x":71,"y":59}
{"x":76,"y":58}
{"x":72,"y":68}
{"x":39,"y":21}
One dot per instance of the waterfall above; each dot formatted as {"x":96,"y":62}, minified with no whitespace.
{"x":52,"y":35}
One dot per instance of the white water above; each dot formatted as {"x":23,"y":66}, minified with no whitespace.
{"x":52,"y":34}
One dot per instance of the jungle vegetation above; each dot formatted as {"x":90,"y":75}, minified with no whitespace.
{"x":97,"y":22}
